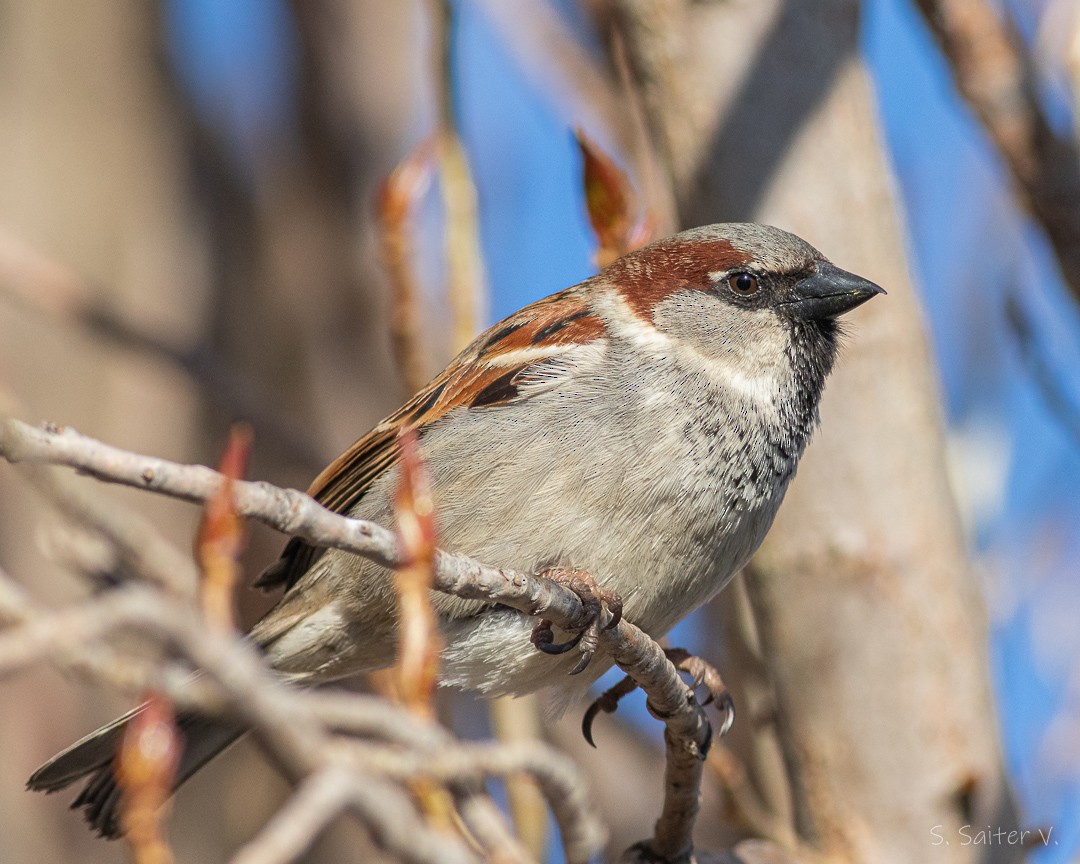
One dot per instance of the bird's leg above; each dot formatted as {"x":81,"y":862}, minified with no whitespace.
{"x":594,"y":599}
{"x":703,"y":674}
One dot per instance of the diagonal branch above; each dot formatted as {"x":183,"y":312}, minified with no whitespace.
{"x":993,"y":76}
{"x":687,"y":733}
{"x":34,"y":282}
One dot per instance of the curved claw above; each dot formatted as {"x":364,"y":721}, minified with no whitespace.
{"x":703,"y":750}
{"x":726,"y":704}
{"x":608,"y":702}
{"x":614,"y":604}
{"x":586,"y":658}
{"x":593,"y":601}
{"x":543,"y":639}
{"x":587,"y":721}
{"x":590,"y":641}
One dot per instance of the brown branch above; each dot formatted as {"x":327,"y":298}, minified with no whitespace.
{"x":420,"y":641}
{"x":399,"y":194}
{"x":145,"y":768}
{"x":992,"y":74}
{"x":220,"y":535}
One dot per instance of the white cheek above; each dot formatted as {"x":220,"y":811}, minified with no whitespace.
{"x":756,"y":374}
{"x":759,"y":387}
{"x":759,"y":373}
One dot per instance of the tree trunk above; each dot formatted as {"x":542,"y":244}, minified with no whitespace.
{"x":871,"y":626}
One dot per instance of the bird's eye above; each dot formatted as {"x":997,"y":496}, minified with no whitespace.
{"x":743,"y":283}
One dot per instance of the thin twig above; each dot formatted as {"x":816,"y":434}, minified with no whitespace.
{"x":317,"y":801}
{"x":744,"y":806}
{"x":1048,"y":380}
{"x":687,"y":735}
{"x":139,"y":546}
{"x":299,"y":742}
{"x":324,"y":796}
{"x":40,"y":285}
{"x":464,"y":264}
{"x":289,"y":511}
{"x":398,"y":196}
{"x":488,"y":829}
{"x":420,"y":640}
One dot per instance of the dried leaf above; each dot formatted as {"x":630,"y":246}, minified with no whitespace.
{"x":145,"y":770}
{"x":220,"y":536}
{"x":612,"y":205}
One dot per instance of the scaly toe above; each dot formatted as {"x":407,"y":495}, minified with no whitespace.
{"x":704,"y":674}
{"x":608,"y":702}
{"x":594,"y":601}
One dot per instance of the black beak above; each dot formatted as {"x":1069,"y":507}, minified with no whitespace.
{"x":829,"y":292}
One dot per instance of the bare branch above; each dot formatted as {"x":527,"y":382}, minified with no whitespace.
{"x":687,"y":733}
{"x":137,"y":544}
{"x":284,"y":724}
{"x":331,"y":791}
{"x":464,"y":264}
{"x":993,"y":76}
{"x":38,"y":284}
{"x":288,"y":511}
{"x":1048,"y":380}
{"x":317,"y":801}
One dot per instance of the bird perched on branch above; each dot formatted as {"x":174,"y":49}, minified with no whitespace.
{"x":638,"y":429}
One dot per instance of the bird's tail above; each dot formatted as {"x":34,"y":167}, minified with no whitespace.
{"x":94,"y":757}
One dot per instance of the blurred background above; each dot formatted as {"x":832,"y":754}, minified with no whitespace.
{"x":190,"y":235}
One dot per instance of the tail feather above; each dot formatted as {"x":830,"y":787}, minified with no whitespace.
{"x":81,"y":758}
{"x":94,"y":757}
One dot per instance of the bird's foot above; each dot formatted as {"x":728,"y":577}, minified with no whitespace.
{"x":702,"y":674}
{"x":596,"y":601}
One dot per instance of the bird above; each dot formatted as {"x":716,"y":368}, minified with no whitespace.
{"x":640,"y":427}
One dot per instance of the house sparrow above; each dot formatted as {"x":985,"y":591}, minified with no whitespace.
{"x":641,"y":426}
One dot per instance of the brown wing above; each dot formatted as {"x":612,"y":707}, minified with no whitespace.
{"x":485,"y":374}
